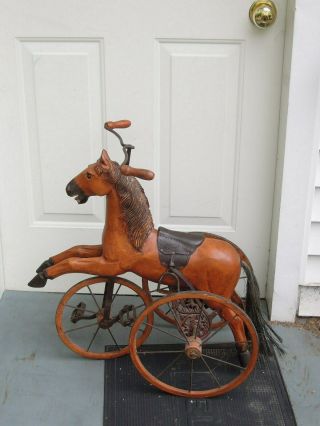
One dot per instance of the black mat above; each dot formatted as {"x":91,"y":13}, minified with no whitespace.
{"x":130,"y":401}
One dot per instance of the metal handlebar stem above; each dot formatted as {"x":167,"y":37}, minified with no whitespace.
{"x":126,"y":148}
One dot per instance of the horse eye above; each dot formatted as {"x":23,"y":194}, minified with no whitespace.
{"x":88,"y":175}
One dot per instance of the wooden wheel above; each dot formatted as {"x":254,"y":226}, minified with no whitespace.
{"x":94,"y":318}
{"x":166,"y":314}
{"x":201,"y":362}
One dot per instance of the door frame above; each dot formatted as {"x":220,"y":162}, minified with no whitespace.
{"x":299,"y":136}
{"x":296,"y":159}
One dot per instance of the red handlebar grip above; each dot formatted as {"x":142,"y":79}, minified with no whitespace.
{"x":121,"y":124}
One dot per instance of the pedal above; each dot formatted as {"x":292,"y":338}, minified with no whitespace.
{"x":77,"y":313}
{"x":127,"y":315}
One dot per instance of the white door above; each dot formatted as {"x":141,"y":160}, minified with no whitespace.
{"x":202,"y":87}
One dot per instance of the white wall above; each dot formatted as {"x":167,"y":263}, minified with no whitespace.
{"x":297,"y":156}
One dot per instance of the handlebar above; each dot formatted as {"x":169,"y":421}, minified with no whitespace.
{"x":125,"y":168}
{"x":121,"y":124}
{"x":139,"y":173}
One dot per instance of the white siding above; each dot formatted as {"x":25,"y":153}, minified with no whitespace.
{"x":314,"y":235}
{"x":309,"y":304}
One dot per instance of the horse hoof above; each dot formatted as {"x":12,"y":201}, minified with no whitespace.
{"x":38,"y":281}
{"x":244,"y":358}
{"x":44,"y":265}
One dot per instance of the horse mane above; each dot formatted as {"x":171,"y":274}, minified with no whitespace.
{"x":135,"y":207}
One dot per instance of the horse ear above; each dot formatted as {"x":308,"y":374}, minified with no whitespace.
{"x":105,"y":160}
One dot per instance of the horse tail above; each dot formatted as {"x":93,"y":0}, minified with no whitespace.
{"x":266,"y":333}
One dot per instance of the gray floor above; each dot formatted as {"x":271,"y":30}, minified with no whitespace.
{"x":301,"y":372}
{"x":43,"y":383}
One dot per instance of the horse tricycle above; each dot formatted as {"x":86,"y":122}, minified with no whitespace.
{"x":193,"y":305}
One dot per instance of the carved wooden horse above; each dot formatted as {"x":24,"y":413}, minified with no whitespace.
{"x":130,"y":243}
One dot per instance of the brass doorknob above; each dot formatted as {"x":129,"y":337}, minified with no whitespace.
{"x":263,"y":13}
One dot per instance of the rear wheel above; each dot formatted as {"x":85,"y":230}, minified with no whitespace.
{"x":201,"y":362}
{"x":94,"y":318}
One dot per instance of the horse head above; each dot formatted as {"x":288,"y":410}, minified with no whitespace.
{"x":98,"y":178}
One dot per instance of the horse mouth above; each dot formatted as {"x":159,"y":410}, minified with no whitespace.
{"x":81,"y":198}
{"x":73,"y":190}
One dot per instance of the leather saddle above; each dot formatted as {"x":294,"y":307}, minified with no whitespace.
{"x":175,"y":248}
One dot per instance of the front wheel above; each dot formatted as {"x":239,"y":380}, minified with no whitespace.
{"x":94,"y":318}
{"x":202,"y":362}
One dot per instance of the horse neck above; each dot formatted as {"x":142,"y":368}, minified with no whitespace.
{"x":128,"y":219}
{"x":114,"y":223}
{"x":114,"y":232}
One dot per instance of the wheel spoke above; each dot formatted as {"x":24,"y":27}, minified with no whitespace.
{"x":162,"y":331}
{"x":159,"y":352}
{"x":153,"y":291}
{"x":157,"y":290}
{"x":114,"y":340}
{"x":211,"y":372}
{"x":165,"y":332}
{"x":80,"y":328}
{"x":94,"y":336}
{"x":235,"y":343}
{"x":224,"y":362}
{"x":93,"y":297}
{"x":216,"y":331}
{"x":116,"y":293}
{"x":191,"y":372}
{"x":171,"y":364}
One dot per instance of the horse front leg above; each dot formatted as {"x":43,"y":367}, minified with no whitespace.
{"x":92,"y":265}
{"x":76,"y":251}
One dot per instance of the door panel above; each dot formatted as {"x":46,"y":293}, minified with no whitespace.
{"x":200,"y":89}
{"x":201,"y":85}
{"x":61,"y":91}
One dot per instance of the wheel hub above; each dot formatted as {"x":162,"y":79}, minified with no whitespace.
{"x":193,"y":349}
{"x":107,"y":323}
